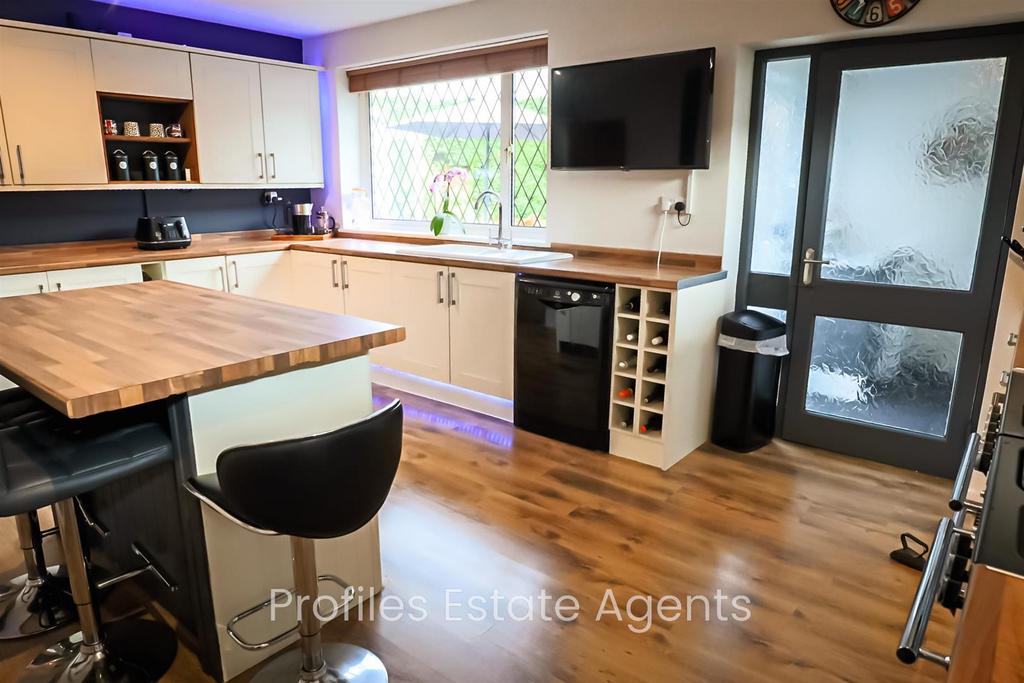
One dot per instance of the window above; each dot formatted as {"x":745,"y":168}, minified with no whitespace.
{"x":418,"y":131}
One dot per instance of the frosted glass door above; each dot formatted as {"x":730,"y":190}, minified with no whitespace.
{"x":910,"y":181}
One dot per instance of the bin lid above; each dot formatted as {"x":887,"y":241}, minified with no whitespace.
{"x":752,"y":325}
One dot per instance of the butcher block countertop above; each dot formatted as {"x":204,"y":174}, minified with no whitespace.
{"x":628,"y":267}
{"x":90,"y":351}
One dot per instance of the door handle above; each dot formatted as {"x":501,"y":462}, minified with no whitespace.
{"x":41,"y":289}
{"x":440,"y":296}
{"x":273,"y":165}
{"x":451,"y":288}
{"x":223,"y":280}
{"x":344,"y":274}
{"x":21,"y":164}
{"x":809,"y":262}
{"x":59,"y":287}
{"x":234,"y":265}
{"x":334,"y":273}
{"x":259,"y":155}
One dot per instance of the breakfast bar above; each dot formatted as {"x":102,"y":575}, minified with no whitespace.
{"x":231,"y":371}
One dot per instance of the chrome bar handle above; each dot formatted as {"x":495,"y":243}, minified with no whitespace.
{"x":451,"y":289}
{"x":21,"y":164}
{"x":273,"y":165}
{"x":440,"y":277}
{"x":223,"y":279}
{"x":41,"y":289}
{"x":234,"y":265}
{"x":259,"y":155}
{"x":968,"y":463}
{"x":344,"y":274}
{"x":921,"y":609}
{"x":334,"y":273}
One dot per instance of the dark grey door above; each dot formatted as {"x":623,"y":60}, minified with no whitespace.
{"x":912,"y":170}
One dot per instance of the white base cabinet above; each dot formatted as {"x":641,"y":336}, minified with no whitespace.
{"x":316,"y":281}
{"x":209,"y":272}
{"x":262,"y":276}
{"x":481,"y":329}
{"x":419,"y":302}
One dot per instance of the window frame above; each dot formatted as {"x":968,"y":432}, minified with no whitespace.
{"x":475,"y":232}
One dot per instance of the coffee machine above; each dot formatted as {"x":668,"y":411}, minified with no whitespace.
{"x":300,"y":217}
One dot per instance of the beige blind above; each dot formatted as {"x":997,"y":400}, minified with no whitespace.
{"x":494,"y":59}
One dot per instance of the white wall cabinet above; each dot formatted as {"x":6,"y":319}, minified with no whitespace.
{"x":208,"y":272}
{"x":51,"y":114}
{"x":141,"y":70}
{"x":291,"y":124}
{"x":229,"y":120}
{"x":482,"y":330}
{"x":316,"y":281}
{"x":262,"y":276}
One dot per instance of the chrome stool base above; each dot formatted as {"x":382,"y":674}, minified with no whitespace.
{"x":344,"y":663}
{"x":134,"y":651}
{"x":35,"y":606}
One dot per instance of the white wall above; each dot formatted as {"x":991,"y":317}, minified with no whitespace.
{"x":608,"y":207}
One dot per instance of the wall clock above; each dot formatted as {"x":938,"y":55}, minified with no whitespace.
{"x":870,"y":13}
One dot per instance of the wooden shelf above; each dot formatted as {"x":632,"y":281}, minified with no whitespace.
{"x":657,"y":407}
{"x":626,"y":345}
{"x":153,"y":182}
{"x":627,"y":314}
{"x":141,"y":98}
{"x":145,"y":138}
{"x":656,"y":319}
{"x":623,"y":402}
{"x":660,"y":350}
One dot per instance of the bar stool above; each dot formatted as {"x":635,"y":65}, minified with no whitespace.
{"x":322,"y":486}
{"x":49,"y":460}
{"x":36,"y":601}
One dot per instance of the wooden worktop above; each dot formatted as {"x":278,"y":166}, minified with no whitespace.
{"x":627,"y":267}
{"x":93,"y":350}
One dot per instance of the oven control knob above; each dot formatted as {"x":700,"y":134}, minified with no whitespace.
{"x":575,"y":296}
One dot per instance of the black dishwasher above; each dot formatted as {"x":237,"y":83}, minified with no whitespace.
{"x":563,"y":359}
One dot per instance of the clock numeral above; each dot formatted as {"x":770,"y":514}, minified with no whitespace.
{"x":895,"y":8}
{"x":875,"y":14}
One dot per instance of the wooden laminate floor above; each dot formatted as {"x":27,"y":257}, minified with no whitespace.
{"x":480,"y":506}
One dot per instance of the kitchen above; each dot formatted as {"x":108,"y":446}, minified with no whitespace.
{"x":284,"y":178}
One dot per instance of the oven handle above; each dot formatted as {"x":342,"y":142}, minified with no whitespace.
{"x":968,"y":463}
{"x":921,"y":609}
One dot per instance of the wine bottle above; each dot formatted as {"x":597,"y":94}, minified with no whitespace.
{"x":653,"y":424}
{"x":627,"y":363}
{"x":656,"y":395}
{"x":633,"y":305}
{"x":658,"y":340}
{"x":626,"y":393}
{"x":631,"y":336}
{"x":665,"y":309}
{"x":624,"y":424}
{"x":657,"y":367}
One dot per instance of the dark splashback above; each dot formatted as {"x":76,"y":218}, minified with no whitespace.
{"x":107,"y":18}
{"x":37,"y":217}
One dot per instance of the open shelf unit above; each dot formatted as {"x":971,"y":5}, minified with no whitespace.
{"x":146,"y":110}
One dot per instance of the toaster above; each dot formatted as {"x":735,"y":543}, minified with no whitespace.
{"x":162,"y":232}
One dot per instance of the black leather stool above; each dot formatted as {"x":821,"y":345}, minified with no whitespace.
{"x":322,"y":486}
{"x":49,"y":460}
{"x":36,"y":601}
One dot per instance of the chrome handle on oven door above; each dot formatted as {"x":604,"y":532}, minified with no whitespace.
{"x":921,"y":609}
{"x":259,"y":155}
{"x":334,"y":273}
{"x":968,"y":463}
{"x":809,"y":262}
{"x":451,"y":289}
{"x":234,"y":265}
{"x":21,"y":164}
{"x":440,"y":277}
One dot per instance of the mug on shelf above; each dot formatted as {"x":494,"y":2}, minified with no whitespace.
{"x":131,"y":128}
{"x":109,"y":127}
{"x":174,"y":130}
{"x":156,"y":130}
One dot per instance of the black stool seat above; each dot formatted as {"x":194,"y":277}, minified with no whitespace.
{"x":17,"y":406}
{"x":48,"y":457}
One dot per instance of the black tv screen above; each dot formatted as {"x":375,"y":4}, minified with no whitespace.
{"x":643,"y":113}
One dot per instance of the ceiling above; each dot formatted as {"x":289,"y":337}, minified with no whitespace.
{"x":297,"y":18}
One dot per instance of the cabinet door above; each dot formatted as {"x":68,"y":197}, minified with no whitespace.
{"x":262,"y":276}
{"x":208,"y":272}
{"x":50,"y":109}
{"x":101,"y":276}
{"x":316,"y":281}
{"x":291,"y":124}
{"x":140,"y":70}
{"x":366,"y":283}
{"x":482,"y":325}
{"x":420,"y":304}
{"x":20,"y":285}
{"x":229,"y":120}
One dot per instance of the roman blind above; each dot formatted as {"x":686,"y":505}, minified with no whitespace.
{"x":491,"y":59}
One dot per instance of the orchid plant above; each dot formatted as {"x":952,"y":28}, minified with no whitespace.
{"x":445,"y":218}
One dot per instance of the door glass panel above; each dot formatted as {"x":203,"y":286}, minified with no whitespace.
{"x":885,"y":375}
{"x":778,"y":166}
{"x":910,"y":170}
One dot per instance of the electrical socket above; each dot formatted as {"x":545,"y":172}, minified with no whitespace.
{"x":666,"y":203}
{"x":269,"y":197}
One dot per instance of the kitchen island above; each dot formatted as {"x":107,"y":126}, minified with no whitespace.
{"x":231,"y":370}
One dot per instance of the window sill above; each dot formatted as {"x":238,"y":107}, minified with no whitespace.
{"x":425,"y":233}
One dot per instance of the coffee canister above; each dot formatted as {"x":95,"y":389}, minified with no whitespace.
{"x":172,"y":167}
{"x":150,"y":166}
{"x":119,"y":169}
{"x":131,"y":128}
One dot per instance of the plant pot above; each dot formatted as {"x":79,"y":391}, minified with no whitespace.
{"x":446,"y":223}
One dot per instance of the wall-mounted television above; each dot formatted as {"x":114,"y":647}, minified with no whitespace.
{"x":643,"y":113}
